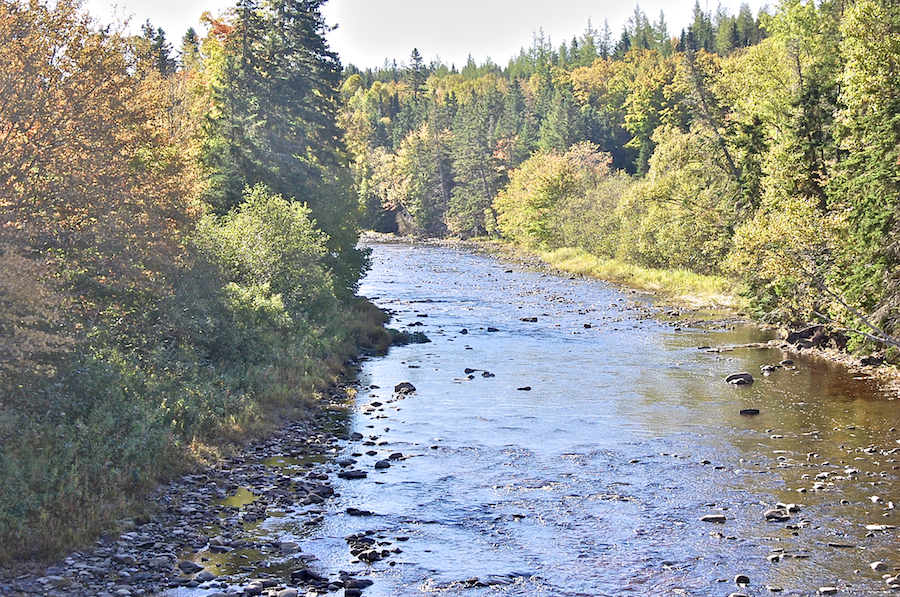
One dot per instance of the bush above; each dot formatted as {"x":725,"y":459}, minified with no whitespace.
{"x":248,"y":328}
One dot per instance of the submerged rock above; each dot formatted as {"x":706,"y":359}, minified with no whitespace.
{"x":404,"y":387}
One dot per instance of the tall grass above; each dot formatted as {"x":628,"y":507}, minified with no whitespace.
{"x":679,"y":286}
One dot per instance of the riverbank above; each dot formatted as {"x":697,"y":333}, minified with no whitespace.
{"x":211,"y":518}
{"x":213,"y":510}
{"x":694,"y":297}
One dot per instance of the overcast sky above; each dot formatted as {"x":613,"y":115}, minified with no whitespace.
{"x":369,"y":31}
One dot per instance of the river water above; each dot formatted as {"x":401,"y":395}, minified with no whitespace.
{"x":565,"y":438}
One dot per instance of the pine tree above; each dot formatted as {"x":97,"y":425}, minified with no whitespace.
{"x":606,"y":43}
{"x":277,"y":102}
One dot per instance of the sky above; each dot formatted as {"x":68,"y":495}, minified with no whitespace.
{"x":370,"y":31}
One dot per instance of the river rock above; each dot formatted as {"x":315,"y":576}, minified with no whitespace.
{"x":353,"y":474}
{"x":381,"y":464}
{"x":742,"y":580}
{"x":189,"y":567}
{"x":878,"y":566}
{"x":358,"y":583}
{"x":791,"y":508}
{"x":749,"y":412}
{"x":716,"y":518}
{"x":827,"y":590}
{"x":777,"y":515}
{"x":287,"y":593}
{"x":739,"y":379}
{"x":357,"y":512}
{"x":288,"y":547}
{"x":123,"y":558}
{"x":803,"y":337}
{"x":879,"y":527}
{"x":305,"y":575}
{"x":206,"y":576}
{"x":404,"y":387}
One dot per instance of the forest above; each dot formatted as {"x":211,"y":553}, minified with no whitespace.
{"x":179,"y":225}
{"x":760,"y":148}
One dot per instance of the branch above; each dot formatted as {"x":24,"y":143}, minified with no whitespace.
{"x":879,"y":336}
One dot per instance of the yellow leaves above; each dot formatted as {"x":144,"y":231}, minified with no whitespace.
{"x":591,"y":83}
{"x":759,"y":82}
{"x":30,"y":311}
{"x":525,"y":206}
{"x":871,"y":51}
{"x":789,"y":243}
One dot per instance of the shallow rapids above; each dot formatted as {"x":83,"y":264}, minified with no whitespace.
{"x":564,"y":438}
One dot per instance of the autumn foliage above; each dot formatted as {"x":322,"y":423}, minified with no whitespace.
{"x":139,"y":329}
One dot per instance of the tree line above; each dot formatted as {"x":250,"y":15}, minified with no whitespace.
{"x":763,"y":148}
{"x":177,"y":251}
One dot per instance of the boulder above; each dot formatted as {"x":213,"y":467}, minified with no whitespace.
{"x":807,"y":337}
{"x":739,"y":379}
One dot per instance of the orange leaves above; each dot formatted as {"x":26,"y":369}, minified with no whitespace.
{"x":98,"y":160}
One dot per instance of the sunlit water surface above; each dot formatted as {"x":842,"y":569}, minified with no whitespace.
{"x":594,"y":480}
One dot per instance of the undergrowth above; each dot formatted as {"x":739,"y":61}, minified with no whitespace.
{"x":247,"y":333}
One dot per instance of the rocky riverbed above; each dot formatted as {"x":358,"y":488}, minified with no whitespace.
{"x":216,"y":511}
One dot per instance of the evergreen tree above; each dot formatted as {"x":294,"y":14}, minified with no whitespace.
{"x":640,"y":31}
{"x":867,"y":184}
{"x":476,"y":175}
{"x":623,"y":46}
{"x":660,"y":35}
{"x":747,"y":29}
{"x":606,"y":44}
{"x":726,"y":32}
{"x":157,"y":53}
{"x":700,"y":34}
{"x":587,"y":48}
{"x":276,"y":118}
{"x":564,"y":125}
{"x":189,"y":55}
{"x":416,"y":74}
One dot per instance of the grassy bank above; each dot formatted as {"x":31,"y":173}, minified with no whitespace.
{"x":80,"y":450}
{"x":677,"y":286}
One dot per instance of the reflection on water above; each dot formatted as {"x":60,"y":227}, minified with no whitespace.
{"x":594,"y":479}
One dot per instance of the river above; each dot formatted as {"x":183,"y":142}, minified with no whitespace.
{"x":565,"y":438}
